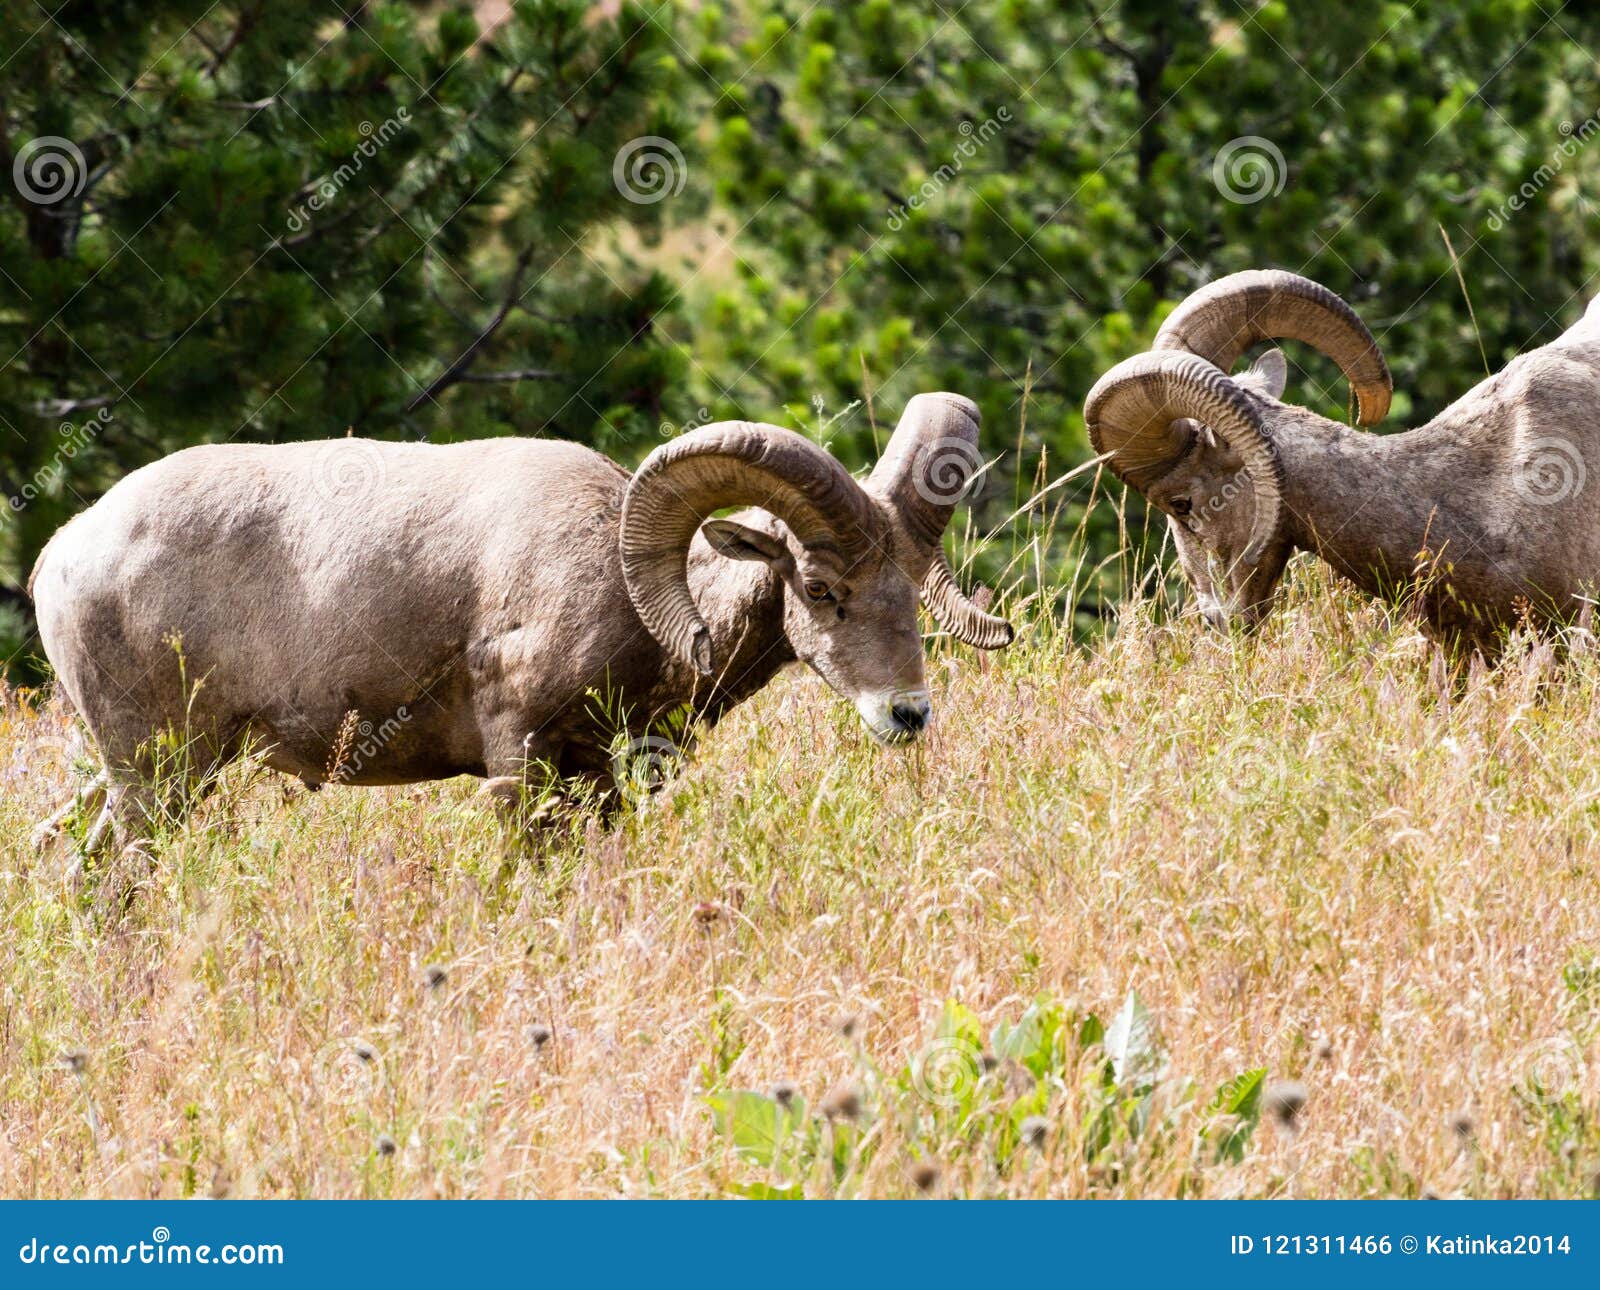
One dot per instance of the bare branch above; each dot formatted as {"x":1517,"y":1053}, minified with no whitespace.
{"x":517,"y":374}
{"x":458,"y":370}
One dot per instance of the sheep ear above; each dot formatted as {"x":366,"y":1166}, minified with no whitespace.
{"x":1270,"y":373}
{"x":740,"y":542}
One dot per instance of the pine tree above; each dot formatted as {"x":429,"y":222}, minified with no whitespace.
{"x":266,"y":221}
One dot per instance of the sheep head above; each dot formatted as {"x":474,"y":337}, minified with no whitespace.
{"x":852,"y":558}
{"x":1200,"y":444}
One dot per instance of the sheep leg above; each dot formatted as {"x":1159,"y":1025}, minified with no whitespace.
{"x":525,"y":805}
{"x":122,"y":832}
{"x":513,"y":801}
{"x":86,"y":799}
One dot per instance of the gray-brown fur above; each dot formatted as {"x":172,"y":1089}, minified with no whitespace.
{"x":467,"y":602}
{"x":1487,"y":512}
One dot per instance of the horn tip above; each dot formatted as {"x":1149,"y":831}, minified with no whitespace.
{"x":1372,"y":404}
{"x":700,"y":651}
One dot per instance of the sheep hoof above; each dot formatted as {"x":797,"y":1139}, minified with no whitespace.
{"x":119,"y":883}
{"x":72,"y":874}
{"x":504,"y":792}
{"x":508,"y":795}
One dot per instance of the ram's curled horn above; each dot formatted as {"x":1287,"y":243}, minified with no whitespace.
{"x":927,"y":468}
{"x":730,"y":463}
{"x":1220,"y":321}
{"x":1132,"y":410}
{"x":959,"y":615}
{"x":929,"y":464}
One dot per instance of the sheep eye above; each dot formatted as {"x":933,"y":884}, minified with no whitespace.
{"x":817,"y":590}
{"x":1181,"y":506}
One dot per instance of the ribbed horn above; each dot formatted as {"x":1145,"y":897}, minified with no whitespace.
{"x":730,"y":463}
{"x":1131,"y":411}
{"x":953,"y":610}
{"x":1220,"y":321}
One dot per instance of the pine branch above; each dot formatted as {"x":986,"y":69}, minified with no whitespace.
{"x":458,"y":370}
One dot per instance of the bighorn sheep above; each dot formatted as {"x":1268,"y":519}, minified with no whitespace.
{"x":489,"y":604}
{"x":1481,"y":517}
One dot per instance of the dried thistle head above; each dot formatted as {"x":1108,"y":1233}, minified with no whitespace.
{"x":75,"y":1060}
{"x":539,"y":1034}
{"x":1460,"y":1123}
{"x":1034,"y":1131}
{"x":385,"y":1145}
{"x":843,"y":1102}
{"x":365,"y":1052}
{"x":434,"y":976}
{"x":707,"y":912}
{"x":848,"y":1024}
{"x":925,"y":1174}
{"x":784,"y":1092}
{"x":1283,"y":1102}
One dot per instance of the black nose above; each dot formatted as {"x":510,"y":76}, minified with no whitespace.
{"x":909,"y":716}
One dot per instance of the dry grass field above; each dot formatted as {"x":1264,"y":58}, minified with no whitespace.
{"x":1295,"y":915}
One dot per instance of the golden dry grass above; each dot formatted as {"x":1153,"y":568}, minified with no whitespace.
{"x":1310,"y":854}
